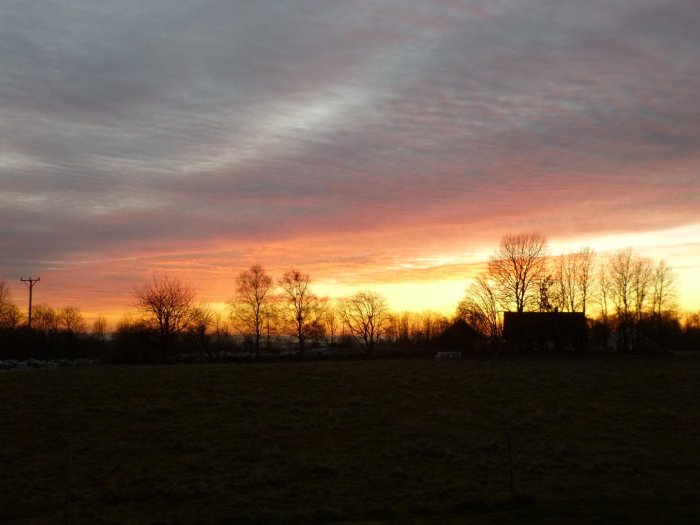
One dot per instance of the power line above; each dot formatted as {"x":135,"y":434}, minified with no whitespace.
{"x":30,"y":284}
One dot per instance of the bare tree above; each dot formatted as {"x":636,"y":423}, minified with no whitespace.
{"x":517,"y":268}
{"x":603,"y":292}
{"x":431,"y":324}
{"x":203,"y":319}
{"x":407,"y":327}
{"x":630,"y":280}
{"x":391,"y":330}
{"x":167,"y":304}
{"x":620,"y":271}
{"x":301,"y":309}
{"x":639,"y":288}
{"x":403,"y":326}
{"x":691,"y":320}
{"x":99,"y":328}
{"x":564,"y":282}
{"x":251,"y":306}
{"x":642,"y":281}
{"x":10,"y":314}
{"x":5,"y":294}
{"x":44,"y":318}
{"x":480,"y":307}
{"x":221,"y":330}
{"x":366,"y":315}
{"x":584,"y":275}
{"x":332,"y":322}
{"x":271,"y":320}
{"x":664,"y":290}
{"x":571,"y":280}
{"x":71,"y":320}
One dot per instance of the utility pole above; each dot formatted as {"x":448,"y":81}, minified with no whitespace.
{"x":30,"y":284}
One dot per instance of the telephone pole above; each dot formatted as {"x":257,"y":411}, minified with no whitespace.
{"x":30,"y":284}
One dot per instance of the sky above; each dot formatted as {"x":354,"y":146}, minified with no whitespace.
{"x":374,"y":144}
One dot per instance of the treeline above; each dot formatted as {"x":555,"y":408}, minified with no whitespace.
{"x":55,"y":333}
{"x":630,"y":300}
{"x":266,"y":318}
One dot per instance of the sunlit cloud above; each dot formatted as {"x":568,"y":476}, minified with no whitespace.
{"x":388,"y":147}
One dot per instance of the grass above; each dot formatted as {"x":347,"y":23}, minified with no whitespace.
{"x":594,"y":440}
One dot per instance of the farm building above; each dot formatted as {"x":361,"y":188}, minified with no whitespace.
{"x":459,"y":337}
{"x":545,"y":330}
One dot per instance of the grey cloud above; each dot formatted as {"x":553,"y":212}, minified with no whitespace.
{"x":163,"y":122}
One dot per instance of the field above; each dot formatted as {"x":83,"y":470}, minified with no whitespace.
{"x":592,"y":440}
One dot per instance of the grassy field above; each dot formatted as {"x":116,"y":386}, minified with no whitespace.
{"x":593,"y":440}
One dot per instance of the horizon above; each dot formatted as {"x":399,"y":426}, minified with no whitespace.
{"x":440,"y":295}
{"x":387,"y":147}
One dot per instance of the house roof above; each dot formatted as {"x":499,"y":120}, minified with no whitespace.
{"x":459,"y":333}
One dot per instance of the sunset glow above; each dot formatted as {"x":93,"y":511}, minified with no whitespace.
{"x":384,"y":147}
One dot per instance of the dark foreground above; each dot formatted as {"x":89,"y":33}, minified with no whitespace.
{"x":594,"y":440}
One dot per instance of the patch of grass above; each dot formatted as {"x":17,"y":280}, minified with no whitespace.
{"x":593,"y":440}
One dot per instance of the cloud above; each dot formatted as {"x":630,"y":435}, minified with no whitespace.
{"x":142,"y":129}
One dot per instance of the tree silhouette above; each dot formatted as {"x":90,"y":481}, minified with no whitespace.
{"x":44,"y":318}
{"x":517,"y":268}
{"x":167,"y":304}
{"x":602,"y":294}
{"x":331,"y":322}
{"x":71,"y":320}
{"x":250,"y":305}
{"x":99,"y":328}
{"x":203,"y":318}
{"x":664,"y":290}
{"x":619,"y":278}
{"x":630,"y":279}
{"x":572,"y":277}
{"x":366,"y":315}
{"x":302,"y":309}
{"x":10,"y":315}
{"x":480,"y":307}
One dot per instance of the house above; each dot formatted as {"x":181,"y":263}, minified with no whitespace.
{"x":556,"y":331}
{"x":459,"y":337}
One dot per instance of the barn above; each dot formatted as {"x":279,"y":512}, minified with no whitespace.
{"x":459,"y":337}
{"x":557,"y":331}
